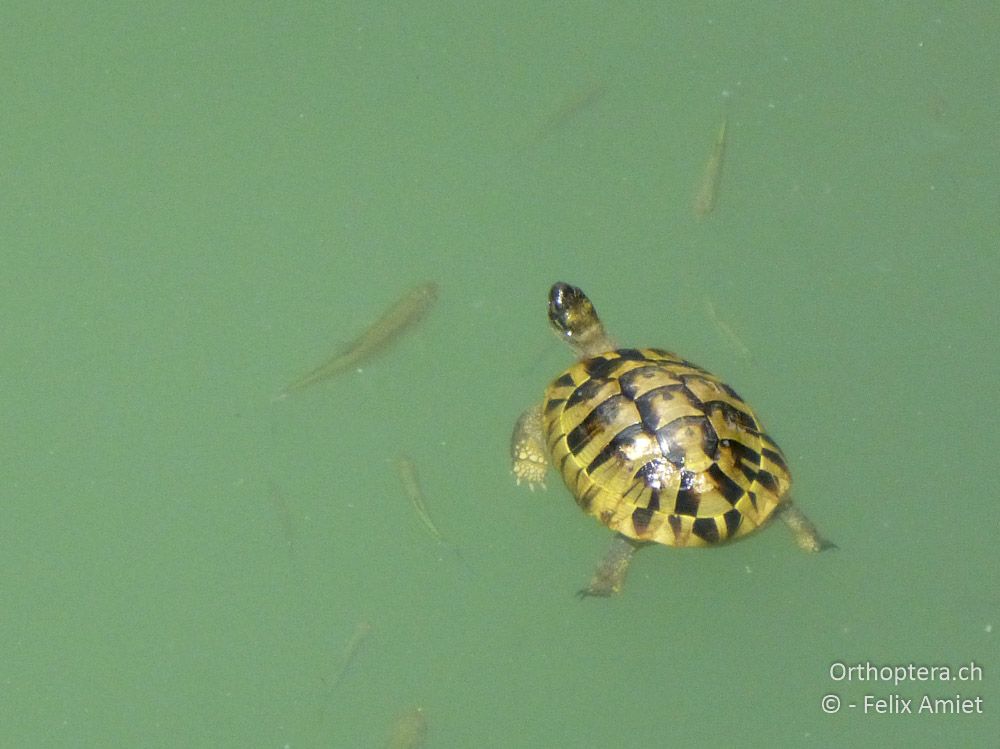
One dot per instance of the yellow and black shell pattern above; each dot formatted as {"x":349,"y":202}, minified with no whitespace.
{"x":661,"y":450}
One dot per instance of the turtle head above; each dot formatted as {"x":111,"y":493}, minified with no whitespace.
{"x":575,"y":320}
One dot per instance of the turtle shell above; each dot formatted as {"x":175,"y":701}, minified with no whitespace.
{"x":661,"y":450}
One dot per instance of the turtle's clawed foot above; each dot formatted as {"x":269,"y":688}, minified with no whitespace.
{"x":529,"y":459}
{"x":599,"y":589}
{"x":609,"y":577}
{"x":802,"y":528}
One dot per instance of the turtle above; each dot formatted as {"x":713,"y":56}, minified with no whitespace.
{"x":653,"y":446}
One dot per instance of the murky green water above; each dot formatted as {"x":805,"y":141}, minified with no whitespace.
{"x":202,"y":203}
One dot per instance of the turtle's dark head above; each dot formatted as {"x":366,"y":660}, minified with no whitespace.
{"x":570,"y":311}
{"x":575,"y":320}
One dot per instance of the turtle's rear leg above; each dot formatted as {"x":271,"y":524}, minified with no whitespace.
{"x":530,"y":460}
{"x":610,"y":573}
{"x":802,"y":528}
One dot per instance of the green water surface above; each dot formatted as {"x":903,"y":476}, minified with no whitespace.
{"x":202,"y":201}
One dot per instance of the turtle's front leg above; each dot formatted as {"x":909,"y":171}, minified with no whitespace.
{"x":610,"y":573}
{"x":527,"y":449}
{"x":802,"y":528}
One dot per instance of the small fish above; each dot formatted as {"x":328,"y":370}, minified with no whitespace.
{"x":409,"y":731}
{"x":351,"y":649}
{"x":284,"y":513}
{"x":568,"y":109}
{"x":727,"y":331}
{"x":400,"y":317}
{"x":350,"y":652}
{"x":411,"y":487}
{"x":708,"y":188}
